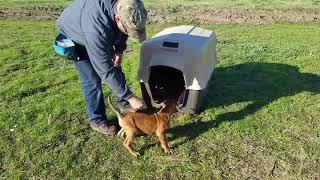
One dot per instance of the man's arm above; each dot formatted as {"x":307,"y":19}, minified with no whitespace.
{"x":121,"y":43}
{"x":100,"y":52}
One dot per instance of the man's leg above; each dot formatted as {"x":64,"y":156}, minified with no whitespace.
{"x":92,"y":91}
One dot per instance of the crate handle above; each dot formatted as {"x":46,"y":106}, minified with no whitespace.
{"x":170,"y":44}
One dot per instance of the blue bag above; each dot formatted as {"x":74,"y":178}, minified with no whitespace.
{"x":64,"y":47}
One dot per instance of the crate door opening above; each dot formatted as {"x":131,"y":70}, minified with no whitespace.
{"x":166,"y":83}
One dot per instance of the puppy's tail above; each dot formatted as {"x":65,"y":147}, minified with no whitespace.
{"x":114,"y":109}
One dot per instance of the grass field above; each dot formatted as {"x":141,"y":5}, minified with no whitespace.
{"x":217,"y":3}
{"x":260,"y":119}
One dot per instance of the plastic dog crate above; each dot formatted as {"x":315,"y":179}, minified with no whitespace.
{"x":177,"y":63}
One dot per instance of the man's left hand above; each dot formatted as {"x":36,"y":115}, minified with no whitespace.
{"x":117,"y":59}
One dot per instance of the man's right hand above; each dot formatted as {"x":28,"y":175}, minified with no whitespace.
{"x":137,"y":103}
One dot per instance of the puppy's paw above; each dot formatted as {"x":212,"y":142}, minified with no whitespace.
{"x":136,"y":154}
{"x":169,"y":151}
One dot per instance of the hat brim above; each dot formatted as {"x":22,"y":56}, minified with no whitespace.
{"x":139,"y":35}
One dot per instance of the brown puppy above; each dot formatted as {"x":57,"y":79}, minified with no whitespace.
{"x":133,"y":123}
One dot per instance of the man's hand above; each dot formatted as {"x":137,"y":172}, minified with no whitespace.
{"x":137,"y":103}
{"x":117,"y":59}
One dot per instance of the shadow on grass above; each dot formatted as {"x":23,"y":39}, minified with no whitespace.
{"x":257,"y":83}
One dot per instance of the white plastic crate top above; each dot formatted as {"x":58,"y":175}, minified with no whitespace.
{"x":190,"y":49}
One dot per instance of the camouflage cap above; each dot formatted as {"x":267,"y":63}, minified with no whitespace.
{"x":134,"y":16}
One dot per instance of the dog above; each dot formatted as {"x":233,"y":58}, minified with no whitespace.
{"x":133,"y":123}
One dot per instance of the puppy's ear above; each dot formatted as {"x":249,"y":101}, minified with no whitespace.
{"x":163,"y":106}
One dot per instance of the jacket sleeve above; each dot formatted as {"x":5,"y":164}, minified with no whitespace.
{"x":100,"y":52}
{"x":120,"y":44}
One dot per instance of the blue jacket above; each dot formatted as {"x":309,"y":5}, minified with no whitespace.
{"x":91,"y":23}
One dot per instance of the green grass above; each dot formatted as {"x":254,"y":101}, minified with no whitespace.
{"x":216,"y":3}
{"x":16,"y":3}
{"x":260,"y":118}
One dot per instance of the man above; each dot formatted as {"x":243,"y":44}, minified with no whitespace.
{"x":100,"y":29}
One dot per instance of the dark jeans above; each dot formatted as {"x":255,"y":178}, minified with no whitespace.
{"x":92,"y":89}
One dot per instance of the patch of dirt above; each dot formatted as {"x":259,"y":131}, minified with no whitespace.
{"x":197,"y":14}
{"x":32,"y":12}
{"x":212,"y":15}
